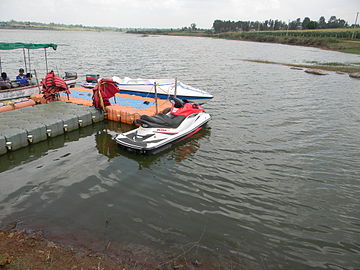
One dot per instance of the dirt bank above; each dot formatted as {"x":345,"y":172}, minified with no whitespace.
{"x":32,"y":251}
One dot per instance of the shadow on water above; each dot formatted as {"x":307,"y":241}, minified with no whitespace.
{"x":35,"y":151}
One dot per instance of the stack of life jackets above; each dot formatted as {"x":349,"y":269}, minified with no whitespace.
{"x":52,"y":84}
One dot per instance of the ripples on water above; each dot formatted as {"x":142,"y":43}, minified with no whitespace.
{"x":272,"y":182}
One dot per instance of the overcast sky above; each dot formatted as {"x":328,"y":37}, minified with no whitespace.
{"x":172,"y":13}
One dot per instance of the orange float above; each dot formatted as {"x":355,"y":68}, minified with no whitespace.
{"x":24,"y":104}
{"x":14,"y":105}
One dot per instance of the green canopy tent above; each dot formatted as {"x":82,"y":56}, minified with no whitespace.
{"x":20,"y":45}
{"x":29,"y":46}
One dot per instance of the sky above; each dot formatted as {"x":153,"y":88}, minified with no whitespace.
{"x":172,"y":13}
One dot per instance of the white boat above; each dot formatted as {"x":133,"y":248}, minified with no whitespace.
{"x":165,"y":88}
{"x":27,"y":91}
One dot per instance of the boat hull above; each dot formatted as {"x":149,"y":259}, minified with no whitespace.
{"x":165,"y":88}
{"x":195,"y":99}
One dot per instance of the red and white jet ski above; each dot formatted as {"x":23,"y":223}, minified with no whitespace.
{"x":161,"y":131}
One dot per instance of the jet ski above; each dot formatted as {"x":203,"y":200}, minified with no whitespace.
{"x":91,"y":81}
{"x":159,"y":132}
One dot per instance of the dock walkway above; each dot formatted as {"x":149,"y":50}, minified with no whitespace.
{"x":19,"y":128}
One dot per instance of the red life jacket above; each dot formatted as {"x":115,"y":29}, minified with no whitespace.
{"x":52,"y":84}
{"x":103,"y":91}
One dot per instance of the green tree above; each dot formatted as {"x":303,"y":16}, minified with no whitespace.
{"x":305,"y":23}
{"x":293,"y":25}
{"x":277,"y":25}
{"x":193,"y":26}
{"x":322,"y":22}
{"x":332,"y":23}
{"x":312,"y":25}
{"x":342,"y":23}
{"x":218,"y":26}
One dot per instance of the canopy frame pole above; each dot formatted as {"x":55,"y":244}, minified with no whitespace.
{"x":37,"y":81}
{"x":101,"y":98}
{"x":29,"y":60}
{"x":47,"y":70}
{"x":176,"y":82}
{"x":25,"y":60}
{"x":156,"y":99}
{"x":0,"y":66}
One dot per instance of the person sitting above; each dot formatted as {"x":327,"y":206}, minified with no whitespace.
{"x":30,"y":78}
{"x":4,"y":81}
{"x":21,"y":78}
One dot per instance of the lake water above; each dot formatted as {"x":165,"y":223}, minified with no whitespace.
{"x":273,"y":182}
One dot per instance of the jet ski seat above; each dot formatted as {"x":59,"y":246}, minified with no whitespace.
{"x":160,"y":121}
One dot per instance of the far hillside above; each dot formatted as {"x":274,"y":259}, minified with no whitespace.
{"x":54,"y":26}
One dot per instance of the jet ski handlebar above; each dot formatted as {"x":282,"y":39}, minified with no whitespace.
{"x":179,"y":103}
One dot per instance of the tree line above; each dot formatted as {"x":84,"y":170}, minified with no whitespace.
{"x":220,"y":26}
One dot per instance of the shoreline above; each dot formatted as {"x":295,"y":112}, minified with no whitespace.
{"x":23,"y":249}
{"x":325,"y":43}
{"x":20,"y":249}
{"x":335,"y":67}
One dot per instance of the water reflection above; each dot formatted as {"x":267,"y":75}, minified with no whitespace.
{"x":73,"y":174}
{"x":107,"y":146}
{"x":38,"y":150}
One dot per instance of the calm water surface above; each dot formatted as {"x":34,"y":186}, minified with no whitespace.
{"x":273,"y":182}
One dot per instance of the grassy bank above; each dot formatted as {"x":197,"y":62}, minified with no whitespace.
{"x":301,"y":38}
{"x":330,"y":39}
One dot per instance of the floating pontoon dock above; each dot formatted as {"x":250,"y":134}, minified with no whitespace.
{"x":19,"y":128}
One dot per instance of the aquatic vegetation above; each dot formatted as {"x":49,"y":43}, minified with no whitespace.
{"x":339,"y":67}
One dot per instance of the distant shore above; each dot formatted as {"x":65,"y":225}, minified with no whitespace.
{"x":324,"y":39}
{"x":341,"y":40}
{"x":59,"y":29}
{"x":312,"y":38}
{"x":297,"y":37}
{"x":18,"y":25}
